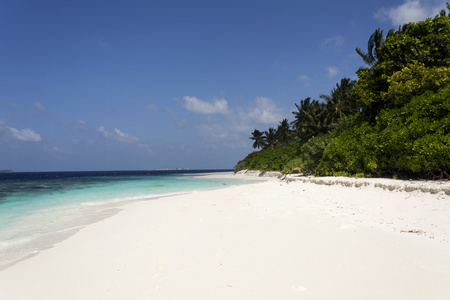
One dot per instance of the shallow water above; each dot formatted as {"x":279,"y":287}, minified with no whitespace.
{"x":39,"y":209}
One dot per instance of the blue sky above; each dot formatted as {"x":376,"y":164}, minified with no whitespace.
{"x":130,"y":85}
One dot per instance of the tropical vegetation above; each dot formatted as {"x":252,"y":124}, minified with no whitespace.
{"x":394,"y":121}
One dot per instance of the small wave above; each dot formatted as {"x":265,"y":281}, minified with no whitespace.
{"x":143,"y":197}
{"x":14,"y":242}
{"x":92,"y":203}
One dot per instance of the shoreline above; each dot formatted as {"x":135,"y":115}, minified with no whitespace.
{"x":426,"y":186}
{"x":58,"y":228}
{"x":272,"y":239}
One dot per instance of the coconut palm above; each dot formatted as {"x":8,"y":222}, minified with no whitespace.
{"x":271,"y":138}
{"x":259,"y":139}
{"x":283,"y":131}
{"x":310,"y":119}
{"x":443,"y":12}
{"x":340,"y":102}
{"x":375,"y":41}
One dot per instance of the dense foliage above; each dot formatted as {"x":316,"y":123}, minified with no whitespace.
{"x":393,"y":121}
{"x":413,"y":139}
{"x":269,"y":159}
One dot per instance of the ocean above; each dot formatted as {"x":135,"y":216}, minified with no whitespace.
{"x":40,"y":209}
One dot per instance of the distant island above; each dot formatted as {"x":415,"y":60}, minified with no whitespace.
{"x":6,"y":171}
{"x":173,"y":169}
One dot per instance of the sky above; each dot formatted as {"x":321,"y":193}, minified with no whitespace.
{"x":131,"y":85}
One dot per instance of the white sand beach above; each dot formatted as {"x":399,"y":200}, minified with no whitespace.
{"x":329,"y":239}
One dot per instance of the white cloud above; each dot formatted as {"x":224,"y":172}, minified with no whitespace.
{"x":25,"y":135}
{"x":117,"y":135}
{"x":334,"y":43}
{"x":410,"y":11}
{"x":332,"y":71}
{"x":52,"y":149}
{"x":265,"y":111}
{"x":239,"y":121}
{"x":305,"y":80}
{"x":218,"y":106}
{"x":146,"y":147}
{"x":80,"y":125}
{"x":38,"y":109}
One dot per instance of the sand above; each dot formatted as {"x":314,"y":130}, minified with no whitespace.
{"x":267,"y":240}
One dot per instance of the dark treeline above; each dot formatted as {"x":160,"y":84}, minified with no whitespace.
{"x":394,"y":121}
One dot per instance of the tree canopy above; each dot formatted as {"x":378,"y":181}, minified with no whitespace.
{"x":393,"y":121}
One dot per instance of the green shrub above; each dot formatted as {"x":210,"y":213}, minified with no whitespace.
{"x":294,"y":166}
{"x":412,"y":141}
{"x":351,"y":152}
{"x":312,"y":150}
{"x":269,"y":159}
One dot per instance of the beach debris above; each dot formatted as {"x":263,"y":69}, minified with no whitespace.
{"x":416,"y":231}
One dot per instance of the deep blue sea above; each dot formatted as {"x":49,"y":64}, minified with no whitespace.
{"x":41,"y":208}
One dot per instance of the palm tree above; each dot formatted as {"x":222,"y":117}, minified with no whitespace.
{"x":340,"y":102}
{"x":271,"y":138}
{"x":283,"y":131}
{"x":259,"y":139}
{"x":375,"y":41}
{"x":302,"y":113}
{"x":310,"y":119}
{"x":443,"y":13}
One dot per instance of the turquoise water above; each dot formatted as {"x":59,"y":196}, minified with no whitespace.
{"x":39,"y":209}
